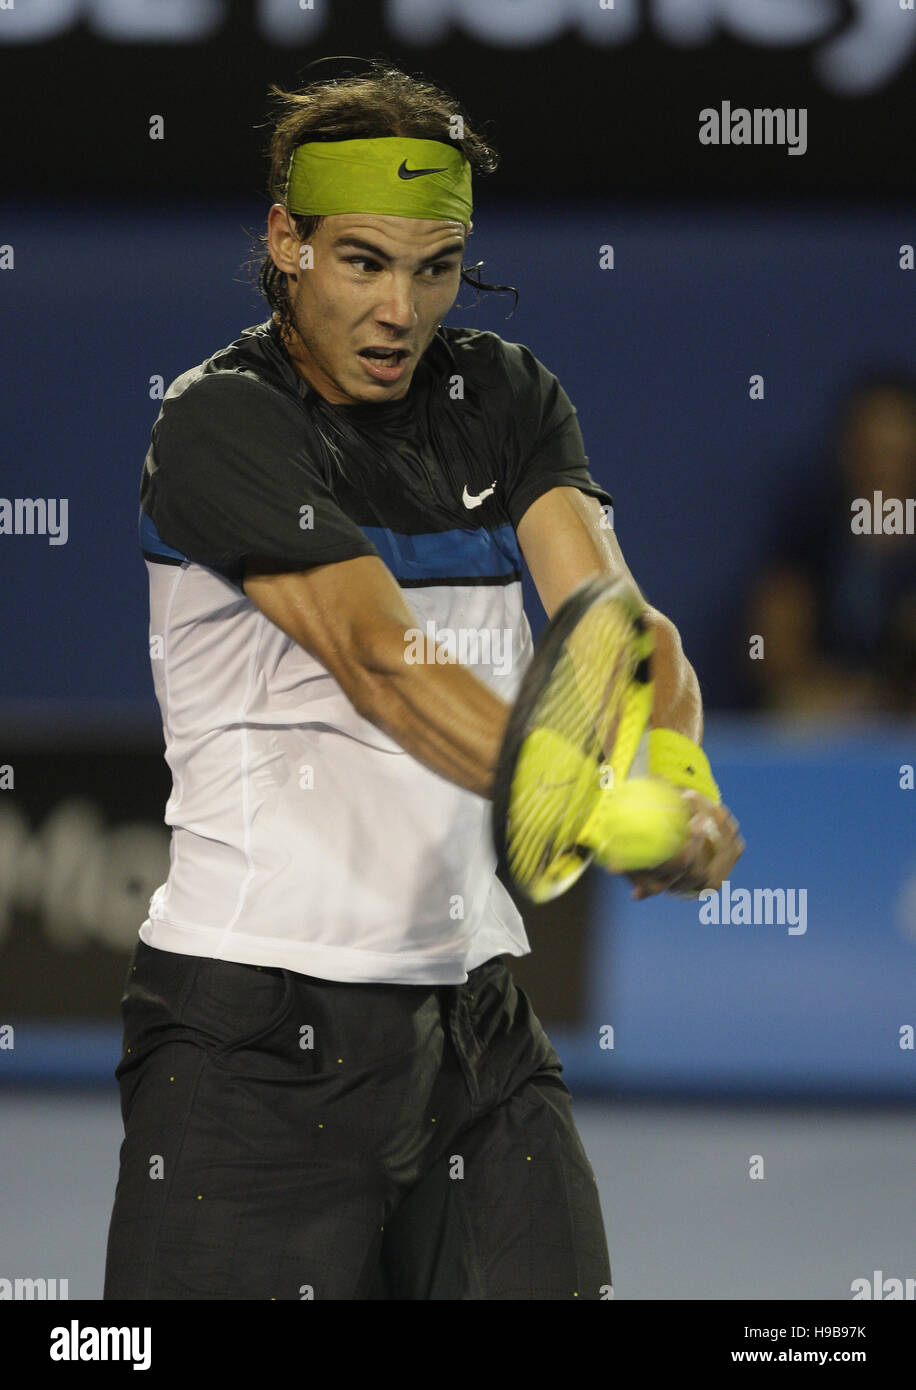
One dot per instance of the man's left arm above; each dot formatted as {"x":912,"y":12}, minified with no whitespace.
{"x":565,"y":540}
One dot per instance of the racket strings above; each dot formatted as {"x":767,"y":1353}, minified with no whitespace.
{"x":582,"y":736}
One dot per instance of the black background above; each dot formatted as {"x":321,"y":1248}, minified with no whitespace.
{"x":566,"y":117}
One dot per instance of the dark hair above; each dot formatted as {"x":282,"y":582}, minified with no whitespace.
{"x":384,"y":102}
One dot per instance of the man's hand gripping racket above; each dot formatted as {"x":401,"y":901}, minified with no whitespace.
{"x":580,"y":775}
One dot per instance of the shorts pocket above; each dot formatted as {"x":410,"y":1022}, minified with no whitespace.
{"x":237,"y":1006}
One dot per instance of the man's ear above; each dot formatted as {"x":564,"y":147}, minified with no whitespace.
{"x":283,"y":225}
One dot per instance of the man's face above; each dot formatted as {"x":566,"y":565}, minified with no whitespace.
{"x":376,"y":282}
{"x":879,"y":446}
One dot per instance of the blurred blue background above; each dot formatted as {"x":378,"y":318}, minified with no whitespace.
{"x":656,"y":355}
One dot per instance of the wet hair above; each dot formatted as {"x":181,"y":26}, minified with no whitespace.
{"x":384,"y":101}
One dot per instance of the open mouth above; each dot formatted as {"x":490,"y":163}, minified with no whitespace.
{"x":384,"y":364}
{"x":390,"y":356}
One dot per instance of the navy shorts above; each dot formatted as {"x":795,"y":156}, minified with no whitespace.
{"x":289,"y":1137}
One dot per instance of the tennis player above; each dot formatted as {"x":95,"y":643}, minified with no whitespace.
{"x":331,"y":1087}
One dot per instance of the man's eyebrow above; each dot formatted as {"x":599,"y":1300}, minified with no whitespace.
{"x":450,"y":249}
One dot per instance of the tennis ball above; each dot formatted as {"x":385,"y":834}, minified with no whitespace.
{"x":638,"y":824}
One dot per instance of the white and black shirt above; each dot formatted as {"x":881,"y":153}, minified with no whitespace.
{"x":302,"y":836}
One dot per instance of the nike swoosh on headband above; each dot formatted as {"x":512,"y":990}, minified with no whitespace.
{"x":405,"y":173}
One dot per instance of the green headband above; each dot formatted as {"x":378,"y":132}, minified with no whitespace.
{"x":390,"y":175}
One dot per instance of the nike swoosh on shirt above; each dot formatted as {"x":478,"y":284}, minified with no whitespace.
{"x":405,"y":173}
{"x":470,"y":501}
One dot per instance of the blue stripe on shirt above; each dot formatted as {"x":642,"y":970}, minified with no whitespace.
{"x":479,"y":554}
{"x":151,"y":540}
{"x":436,"y":555}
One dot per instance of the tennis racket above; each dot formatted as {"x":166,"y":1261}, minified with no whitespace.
{"x":576,"y":725}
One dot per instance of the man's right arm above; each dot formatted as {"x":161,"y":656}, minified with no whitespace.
{"x":351,"y":616}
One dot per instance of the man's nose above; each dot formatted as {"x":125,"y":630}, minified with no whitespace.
{"x":397,"y":306}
